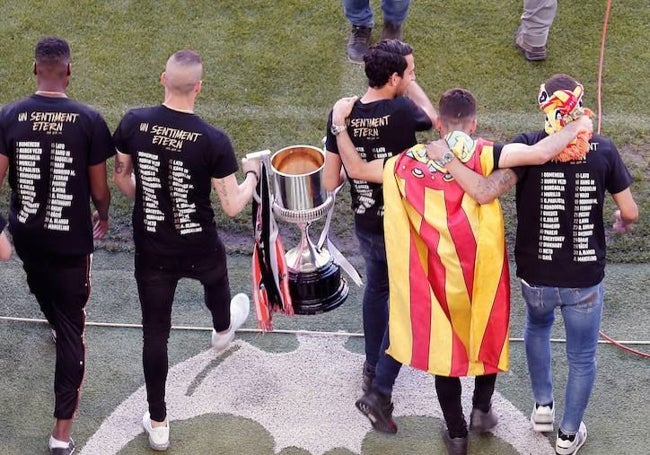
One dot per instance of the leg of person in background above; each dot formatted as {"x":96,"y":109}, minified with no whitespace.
{"x":395,"y":12}
{"x":532,"y":34}
{"x":360,"y":15}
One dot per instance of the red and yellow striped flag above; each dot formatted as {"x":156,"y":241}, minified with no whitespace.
{"x":448,"y":268}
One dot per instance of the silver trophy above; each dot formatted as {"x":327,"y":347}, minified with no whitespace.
{"x":315,"y":281}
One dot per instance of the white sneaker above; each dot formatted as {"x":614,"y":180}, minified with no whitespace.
{"x":239,"y":308}
{"x":542,"y":418}
{"x":158,"y":436}
{"x":564,"y":445}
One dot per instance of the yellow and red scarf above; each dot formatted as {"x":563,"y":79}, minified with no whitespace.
{"x":448,"y":268}
{"x":562,"y":107}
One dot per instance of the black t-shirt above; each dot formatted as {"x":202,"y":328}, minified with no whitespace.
{"x":560,"y":229}
{"x":3,"y":223}
{"x":378,"y":130}
{"x":175,"y":156}
{"x":50,"y":143}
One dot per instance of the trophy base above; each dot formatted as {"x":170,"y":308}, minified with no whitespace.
{"x":317,"y":291}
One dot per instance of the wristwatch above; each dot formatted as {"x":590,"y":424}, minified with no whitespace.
{"x":337,"y":129}
{"x":447,"y":157}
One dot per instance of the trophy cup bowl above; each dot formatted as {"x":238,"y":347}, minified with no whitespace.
{"x":315,"y":281}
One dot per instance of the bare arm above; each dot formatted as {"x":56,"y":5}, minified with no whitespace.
{"x":480,"y":188}
{"x":515,"y":154}
{"x":627,"y":213}
{"x":4,"y":165}
{"x":123,"y":175}
{"x":417,"y":95}
{"x":355,"y":166}
{"x":101,"y":197}
{"x":5,"y":247}
{"x":233,"y":196}
{"x":486,"y":189}
{"x":332,"y":172}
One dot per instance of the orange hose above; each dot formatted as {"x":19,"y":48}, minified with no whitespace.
{"x":600,"y":63}
{"x":600,"y":116}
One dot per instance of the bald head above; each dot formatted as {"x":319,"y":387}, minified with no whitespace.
{"x":183,"y":71}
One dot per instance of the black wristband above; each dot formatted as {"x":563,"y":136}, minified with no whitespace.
{"x":257,"y":177}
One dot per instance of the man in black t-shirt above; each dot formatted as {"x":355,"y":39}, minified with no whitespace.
{"x":56,"y":151}
{"x":560,"y":255}
{"x":168,"y":161}
{"x":383,"y":122}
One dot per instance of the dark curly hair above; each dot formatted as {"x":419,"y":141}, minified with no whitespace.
{"x":385,"y":58}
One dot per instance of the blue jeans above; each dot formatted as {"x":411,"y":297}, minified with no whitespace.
{"x":582,"y":309}
{"x":359,"y":12}
{"x":375,"y":295}
{"x":387,"y":369}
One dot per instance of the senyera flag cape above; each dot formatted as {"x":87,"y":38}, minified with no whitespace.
{"x":448,"y":268}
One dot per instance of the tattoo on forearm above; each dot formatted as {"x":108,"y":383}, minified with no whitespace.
{"x":119,"y":167}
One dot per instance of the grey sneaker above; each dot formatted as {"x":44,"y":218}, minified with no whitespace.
{"x":391,"y":31}
{"x":358,"y":43}
{"x":455,"y":446}
{"x":570,"y":444}
{"x":63,"y":450}
{"x":481,"y":422}
{"x":532,"y":53}
{"x":542,"y":418}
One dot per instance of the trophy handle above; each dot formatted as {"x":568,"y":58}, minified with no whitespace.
{"x":323,"y":235}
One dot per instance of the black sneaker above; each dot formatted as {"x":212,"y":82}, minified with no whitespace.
{"x":358,"y":43}
{"x":379,"y":410}
{"x":391,"y":31}
{"x":455,"y":446}
{"x":367,"y":377}
{"x":65,"y":450}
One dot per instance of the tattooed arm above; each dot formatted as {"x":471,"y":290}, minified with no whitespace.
{"x":233,"y":196}
{"x":123,"y":176}
{"x":480,"y":188}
